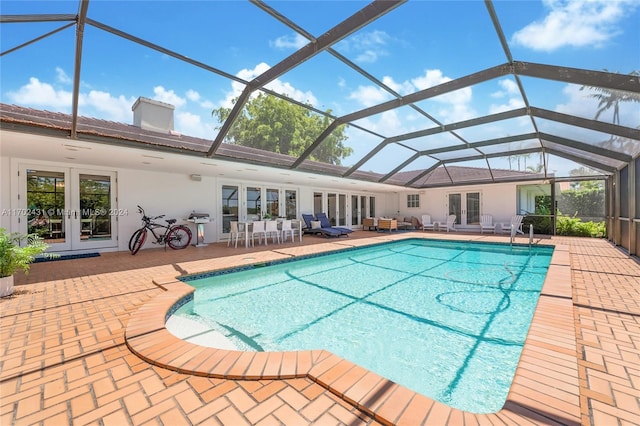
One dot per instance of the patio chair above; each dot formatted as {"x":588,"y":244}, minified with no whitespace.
{"x":515,"y":224}
{"x":287,"y":230}
{"x":234,"y":233}
{"x":426,"y":222}
{"x":259,"y":230}
{"x":296,"y":226}
{"x":271,"y":230}
{"x":486,"y":223}
{"x":450,"y":224}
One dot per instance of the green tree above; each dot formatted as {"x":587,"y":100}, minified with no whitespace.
{"x":276,"y":125}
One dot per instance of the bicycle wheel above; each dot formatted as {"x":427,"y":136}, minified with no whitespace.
{"x":179,"y":237}
{"x":137,"y":240}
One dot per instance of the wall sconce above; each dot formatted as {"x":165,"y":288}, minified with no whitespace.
{"x":196,"y":178}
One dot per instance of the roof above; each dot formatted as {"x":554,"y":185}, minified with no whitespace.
{"x":49,"y":123}
{"x":412,"y":136}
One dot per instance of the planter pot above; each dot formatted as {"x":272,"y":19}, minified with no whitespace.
{"x":6,"y":286}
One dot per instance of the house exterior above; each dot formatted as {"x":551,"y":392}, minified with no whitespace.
{"x":94,"y":182}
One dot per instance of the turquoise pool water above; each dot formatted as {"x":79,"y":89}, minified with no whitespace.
{"x":445,"y":319}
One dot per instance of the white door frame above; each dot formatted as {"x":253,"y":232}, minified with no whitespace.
{"x":71,"y":212}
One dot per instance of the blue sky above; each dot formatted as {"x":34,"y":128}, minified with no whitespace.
{"x":415,"y":46}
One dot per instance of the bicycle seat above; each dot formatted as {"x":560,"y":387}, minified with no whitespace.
{"x":170,"y":221}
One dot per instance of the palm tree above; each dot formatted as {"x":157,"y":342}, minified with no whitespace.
{"x":611,"y":98}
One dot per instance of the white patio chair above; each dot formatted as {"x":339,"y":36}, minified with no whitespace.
{"x":234,"y":232}
{"x":486,"y":223}
{"x":296,"y":226}
{"x":271,"y":229}
{"x":258,"y":229}
{"x":287,"y":230}
{"x":426,"y":222}
{"x":515,"y":223}
{"x":451,"y":223}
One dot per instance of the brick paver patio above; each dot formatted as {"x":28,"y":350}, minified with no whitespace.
{"x":64,"y":358}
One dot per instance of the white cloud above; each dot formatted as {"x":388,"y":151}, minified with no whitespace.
{"x":192,"y":95}
{"x":403,"y":88}
{"x":512,"y":103}
{"x":37,"y":93}
{"x":575,"y":23}
{"x":109,"y":107}
{"x":456,"y":104}
{"x":62,"y":76}
{"x":192,"y":125}
{"x":433,"y":78}
{"x":509,"y":88}
{"x":367,"y":47}
{"x":168,"y":96}
{"x":276,"y":85}
{"x":369,"y":95}
{"x":579,"y":102}
{"x":288,"y":42}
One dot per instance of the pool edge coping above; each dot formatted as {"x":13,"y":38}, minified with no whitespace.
{"x":384,"y":400}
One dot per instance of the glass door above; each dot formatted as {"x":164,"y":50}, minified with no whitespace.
{"x":256,"y":203}
{"x":253,"y":203}
{"x":229,"y":205}
{"x":355,"y":216}
{"x":337,"y":209}
{"x":291,"y":203}
{"x":262,"y":203}
{"x":70,"y":209}
{"x":45,"y":205}
{"x":358,"y":209}
{"x":472,"y":208}
{"x":272,"y":209}
{"x":466,"y":207}
{"x":94,"y":213}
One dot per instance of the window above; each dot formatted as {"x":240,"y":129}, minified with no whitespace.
{"x":413,"y":200}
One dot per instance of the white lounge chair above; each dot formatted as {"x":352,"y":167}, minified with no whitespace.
{"x":426,"y":222}
{"x":486,"y":223}
{"x":451,"y":223}
{"x":515,"y":223}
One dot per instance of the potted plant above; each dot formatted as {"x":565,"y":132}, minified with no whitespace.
{"x":14,"y":257}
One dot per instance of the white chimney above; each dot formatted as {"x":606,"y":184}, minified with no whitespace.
{"x":153,"y":115}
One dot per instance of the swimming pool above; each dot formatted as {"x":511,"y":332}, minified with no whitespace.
{"x":445,"y":319}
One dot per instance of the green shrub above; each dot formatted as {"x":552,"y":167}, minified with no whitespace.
{"x":574,"y":227}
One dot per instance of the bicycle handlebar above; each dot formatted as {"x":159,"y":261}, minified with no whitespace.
{"x":147,"y":218}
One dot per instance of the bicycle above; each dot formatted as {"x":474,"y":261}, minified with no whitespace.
{"x":175,"y":236}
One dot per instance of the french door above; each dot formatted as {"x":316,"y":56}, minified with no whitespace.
{"x":71,"y":209}
{"x":358,"y":209}
{"x":337,"y":209}
{"x":466,"y":207}
{"x":252,"y":202}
